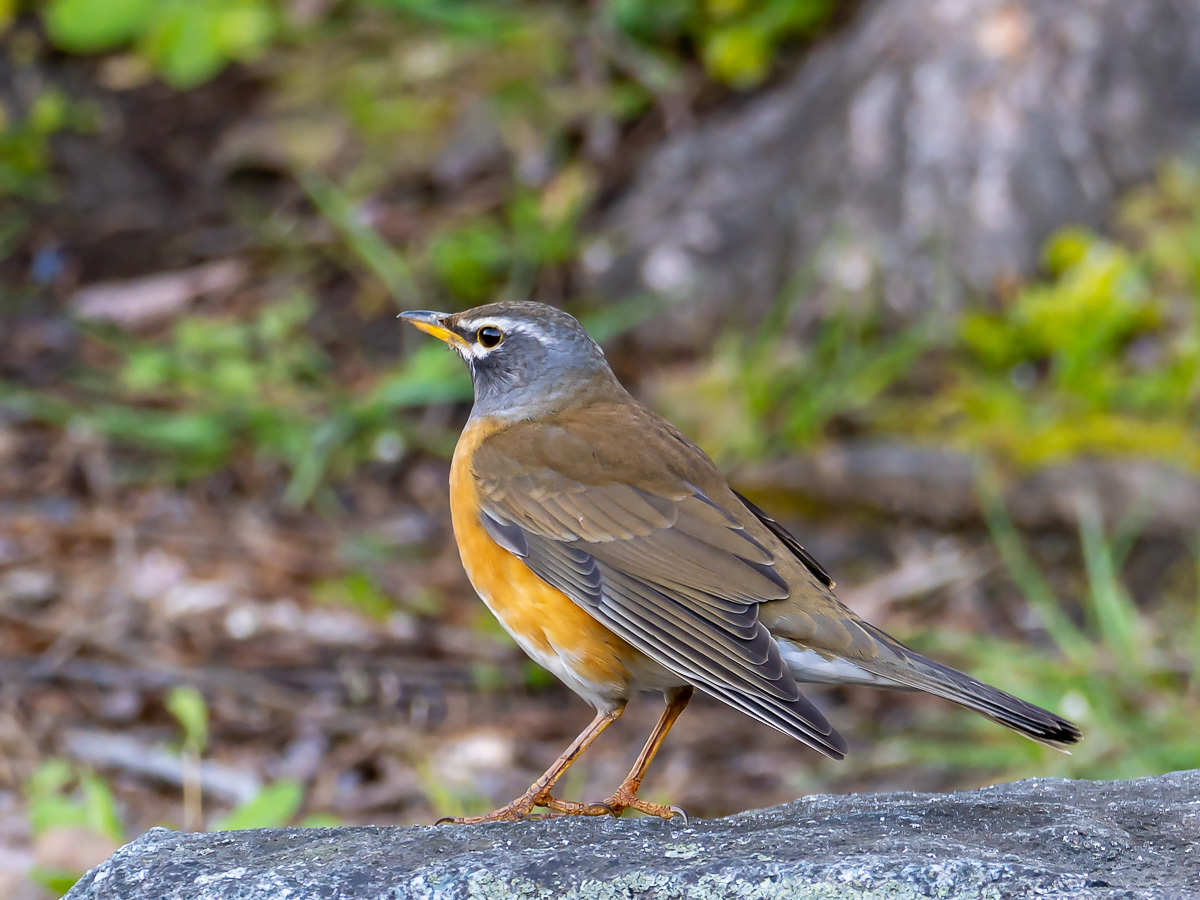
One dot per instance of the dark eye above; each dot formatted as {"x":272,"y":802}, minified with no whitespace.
{"x":489,"y":336}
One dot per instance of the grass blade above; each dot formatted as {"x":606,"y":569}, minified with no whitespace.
{"x":1024,"y":572}
{"x":1116,"y":617}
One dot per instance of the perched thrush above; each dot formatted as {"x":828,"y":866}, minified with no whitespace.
{"x":613,"y":551}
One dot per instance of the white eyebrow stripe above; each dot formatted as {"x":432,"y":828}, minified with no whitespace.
{"x":508,"y":326}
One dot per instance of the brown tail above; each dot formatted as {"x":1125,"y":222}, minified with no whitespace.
{"x":915,"y":671}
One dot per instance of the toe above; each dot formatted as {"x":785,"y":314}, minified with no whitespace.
{"x":678,"y":813}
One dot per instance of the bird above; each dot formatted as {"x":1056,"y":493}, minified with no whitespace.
{"x":613,"y":551}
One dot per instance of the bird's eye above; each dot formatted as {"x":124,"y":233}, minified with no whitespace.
{"x":489,"y":336}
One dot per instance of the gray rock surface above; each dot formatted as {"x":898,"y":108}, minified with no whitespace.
{"x":930,"y":149}
{"x":1041,"y":838}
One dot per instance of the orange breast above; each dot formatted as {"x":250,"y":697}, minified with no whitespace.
{"x":547,"y":624}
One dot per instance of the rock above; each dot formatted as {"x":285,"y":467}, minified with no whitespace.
{"x":926,"y":151}
{"x":1045,"y":838}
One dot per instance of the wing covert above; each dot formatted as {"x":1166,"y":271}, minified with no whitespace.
{"x":665,"y":567}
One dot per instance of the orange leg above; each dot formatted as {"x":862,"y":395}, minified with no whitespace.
{"x":539,"y":792}
{"x":625,"y":797}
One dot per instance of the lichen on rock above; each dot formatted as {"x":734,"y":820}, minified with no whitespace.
{"x":1045,"y":838}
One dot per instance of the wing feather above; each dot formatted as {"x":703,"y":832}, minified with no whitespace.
{"x":669,"y":569}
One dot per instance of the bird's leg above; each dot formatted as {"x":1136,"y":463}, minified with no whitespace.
{"x":625,"y":797}
{"x":539,"y":792}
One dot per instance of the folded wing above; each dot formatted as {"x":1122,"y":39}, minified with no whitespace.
{"x":663,"y":564}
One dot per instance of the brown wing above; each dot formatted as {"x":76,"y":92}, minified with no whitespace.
{"x":793,"y":545}
{"x":666,"y":565}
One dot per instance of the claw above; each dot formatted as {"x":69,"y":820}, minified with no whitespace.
{"x":602,"y":806}
{"x":677,"y":812}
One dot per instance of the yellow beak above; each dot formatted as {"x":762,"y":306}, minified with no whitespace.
{"x":431,"y":323}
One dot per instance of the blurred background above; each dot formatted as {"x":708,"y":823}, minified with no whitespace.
{"x":923,"y":277}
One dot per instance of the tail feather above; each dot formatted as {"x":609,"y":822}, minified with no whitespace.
{"x":912,"y":670}
{"x":826,"y":643}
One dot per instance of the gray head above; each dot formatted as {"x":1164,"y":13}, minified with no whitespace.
{"x":525,"y":358}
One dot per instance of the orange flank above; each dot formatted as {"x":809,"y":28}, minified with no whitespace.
{"x":545,"y":622}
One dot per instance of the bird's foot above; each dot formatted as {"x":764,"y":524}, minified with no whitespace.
{"x":519,"y":809}
{"x":625,"y":798}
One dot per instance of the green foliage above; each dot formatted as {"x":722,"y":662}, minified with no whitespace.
{"x":219,"y":388}
{"x":274,"y":806}
{"x":87,"y":26}
{"x":450,"y":797}
{"x":1164,"y":219}
{"x":24,"y":142}
{"x":355,"y":590}
{"x":398,"y":81}
{"x":1130,"y":679}
{"x":364,"y":243}
{"x":738,"y":39}
{"x":1100,"y":357}
{"x":216,"y":384}
{"x":774,"y":392}
{"x":473,"y":261}
{"x":186,"y":41}
{"x":463,"y":18}
{"x":190,"y":710}
{"x":60,"y":795}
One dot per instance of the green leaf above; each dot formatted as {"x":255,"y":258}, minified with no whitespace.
{"x":90,"y":26}
{"x":357,"y":591}
{"x":187,"y":705}
{"x":272,"y":807}
{"x":1025,"y":573}
{"x":192,"y":434}
{"x":49,"y":112}
{"x":651,"y":21}
{"x":59,"y":881}
{"x":1065,"y":248}
{"x":429,"y":375}
{"x":470,"y":19}
{"x":391,"y":268}
{"x":146,"y":369}
{"x":55,"y":812}
{"x":244,"y":30}
{"x":471,"y":260}
{"x":1116,"y":616}
{"x":739,"y":55}
{"x":183,"y":44}
{"x":51,"y":801}
{"x":48,"y":779}
{"x":100,"y":807}
{"x":615,"y":319}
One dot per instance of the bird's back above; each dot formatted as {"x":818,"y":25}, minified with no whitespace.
{"x":569,"y":479}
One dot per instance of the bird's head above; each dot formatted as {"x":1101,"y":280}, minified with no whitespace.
{"x":524,"y":357}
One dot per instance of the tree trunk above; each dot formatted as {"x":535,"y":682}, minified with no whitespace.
{"x":925,"y":152}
